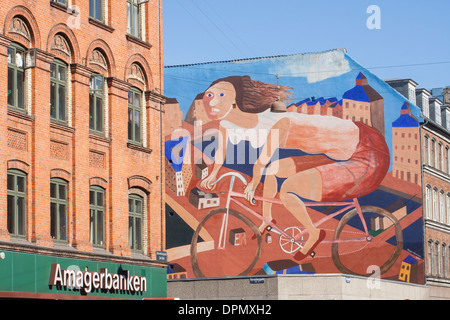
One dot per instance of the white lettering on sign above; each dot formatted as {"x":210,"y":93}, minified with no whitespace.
{"x":89,"y":281}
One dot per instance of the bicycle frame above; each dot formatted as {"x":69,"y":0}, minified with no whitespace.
{"x":354,"y":204}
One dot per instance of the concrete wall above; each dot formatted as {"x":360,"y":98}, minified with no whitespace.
{"x":310,"y":287}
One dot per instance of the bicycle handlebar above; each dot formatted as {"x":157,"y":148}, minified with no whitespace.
{"x":231,"y":174}
{"x":237,"y":175}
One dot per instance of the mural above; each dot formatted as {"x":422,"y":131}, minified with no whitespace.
{"x":327,"y":185}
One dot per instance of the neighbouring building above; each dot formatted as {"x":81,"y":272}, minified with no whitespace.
{"x":435,"y":170}
{"x":82,"y":176}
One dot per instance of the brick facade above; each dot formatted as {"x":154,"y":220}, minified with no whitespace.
{"x":32,"y":143}
{"x":436,"y":182}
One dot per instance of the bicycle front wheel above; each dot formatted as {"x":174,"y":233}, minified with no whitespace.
{"x":357,"y":253}
{"x":235,"y":255}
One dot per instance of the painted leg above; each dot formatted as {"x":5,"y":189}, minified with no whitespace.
{"x":308,"y":185}
{"x":281,"y":169}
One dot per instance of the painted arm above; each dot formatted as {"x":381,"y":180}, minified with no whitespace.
{"x":275,"y":139}
{"x":219,"y":159}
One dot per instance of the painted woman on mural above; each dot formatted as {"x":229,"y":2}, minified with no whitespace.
{"x":339,"y":160}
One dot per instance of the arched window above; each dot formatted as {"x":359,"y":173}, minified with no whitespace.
{"x":58,"y":91}
{"x":435,"y":204}
{"x":426,"y":145}
{"x":58,"y":209}
{"x":135,"y":116}
{"x":17,"y":203}
{"x":436,"y":258}
{"x":16,"y":78}
{"x":444,"y":258}
{"x":442,"y":206}
{"x":96,"y":104}
{"x":433,"y":153}
{"x":97,"y":215}
{"x":430,"y":257}
{"x":446,"y":159}
{"x":428,"y":202}
{"x":135,"y":219}
{"x":98,"y":93}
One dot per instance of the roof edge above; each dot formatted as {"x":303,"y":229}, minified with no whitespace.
{"x":251,"y":59}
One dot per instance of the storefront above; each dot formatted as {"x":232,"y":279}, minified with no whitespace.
{"x":37,"y":276}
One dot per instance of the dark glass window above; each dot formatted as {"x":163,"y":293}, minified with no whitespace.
{"x":96,"y":9}
{"x":97,"y":216}
{"x":96,"y":105}
{"x":16,"y":203}
{"x":16,"y":78}
{"x":133,"y":18}
{"x":135,"y":214}
{"x":134,"y":116}
{"x":58,"y":209}
{"x":58,"y":91}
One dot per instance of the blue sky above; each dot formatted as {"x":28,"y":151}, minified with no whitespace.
{"x":413,"y":41}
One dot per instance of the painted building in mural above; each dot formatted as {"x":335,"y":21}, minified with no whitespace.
{"x":435,"y":165}
{"x":330,"y":185}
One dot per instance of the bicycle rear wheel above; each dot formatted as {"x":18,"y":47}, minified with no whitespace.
{"x":242,"y":247}
{"x":376,"y":252}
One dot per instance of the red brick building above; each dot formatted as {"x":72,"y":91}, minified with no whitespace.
{"x":81,"y":174}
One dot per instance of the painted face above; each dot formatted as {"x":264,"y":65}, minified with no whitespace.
{"x":219,"y":99}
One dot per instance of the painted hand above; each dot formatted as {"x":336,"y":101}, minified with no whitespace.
{"x":250,"y":192}
{"x":207,"y":182}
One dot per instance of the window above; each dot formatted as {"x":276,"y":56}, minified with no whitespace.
{"x":58,"y":91}
{"x":433,"y":153}
{"x":447,"y":158}
{"x":135,"y":211}
{"x":63,"y":2}
{"x":435,"y":204}
{"x":96,"y":93}
{"x":441,"y":206}
{"x":58,"y":209}
{"x":133,"y":18}
{"x":134,"y":116}
{"x":426,"y":159}
{"x":444,"y":260}
{"x":429,"y":203}
{"x":97,"y":215}
{"x":448,"y":209}
{"x":17,"y":199}
{"x":16,"y":78}
{"x":96,"y":9}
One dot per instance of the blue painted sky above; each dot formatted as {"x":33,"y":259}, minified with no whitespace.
{"x":412,"y":42}
{"x":302,"y":72}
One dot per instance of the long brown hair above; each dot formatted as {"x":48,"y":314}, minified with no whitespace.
{"x":256,"y":96}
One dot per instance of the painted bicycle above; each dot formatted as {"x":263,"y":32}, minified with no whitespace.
{"x":237,"y":237}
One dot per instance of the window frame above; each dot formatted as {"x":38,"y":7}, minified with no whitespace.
{"x":16,"y":69}
{"x":132,"y":107}
{"x":96,"y":5}
{"x":58,"y":201}
{"x":135,"y":239}
{"x":13,"y":226}
{"x":64,"y":3}
{"x":132,"y":18}
{"x":58,"y":83}
{"x":97,"y":94}
{"x":96,"y":211}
